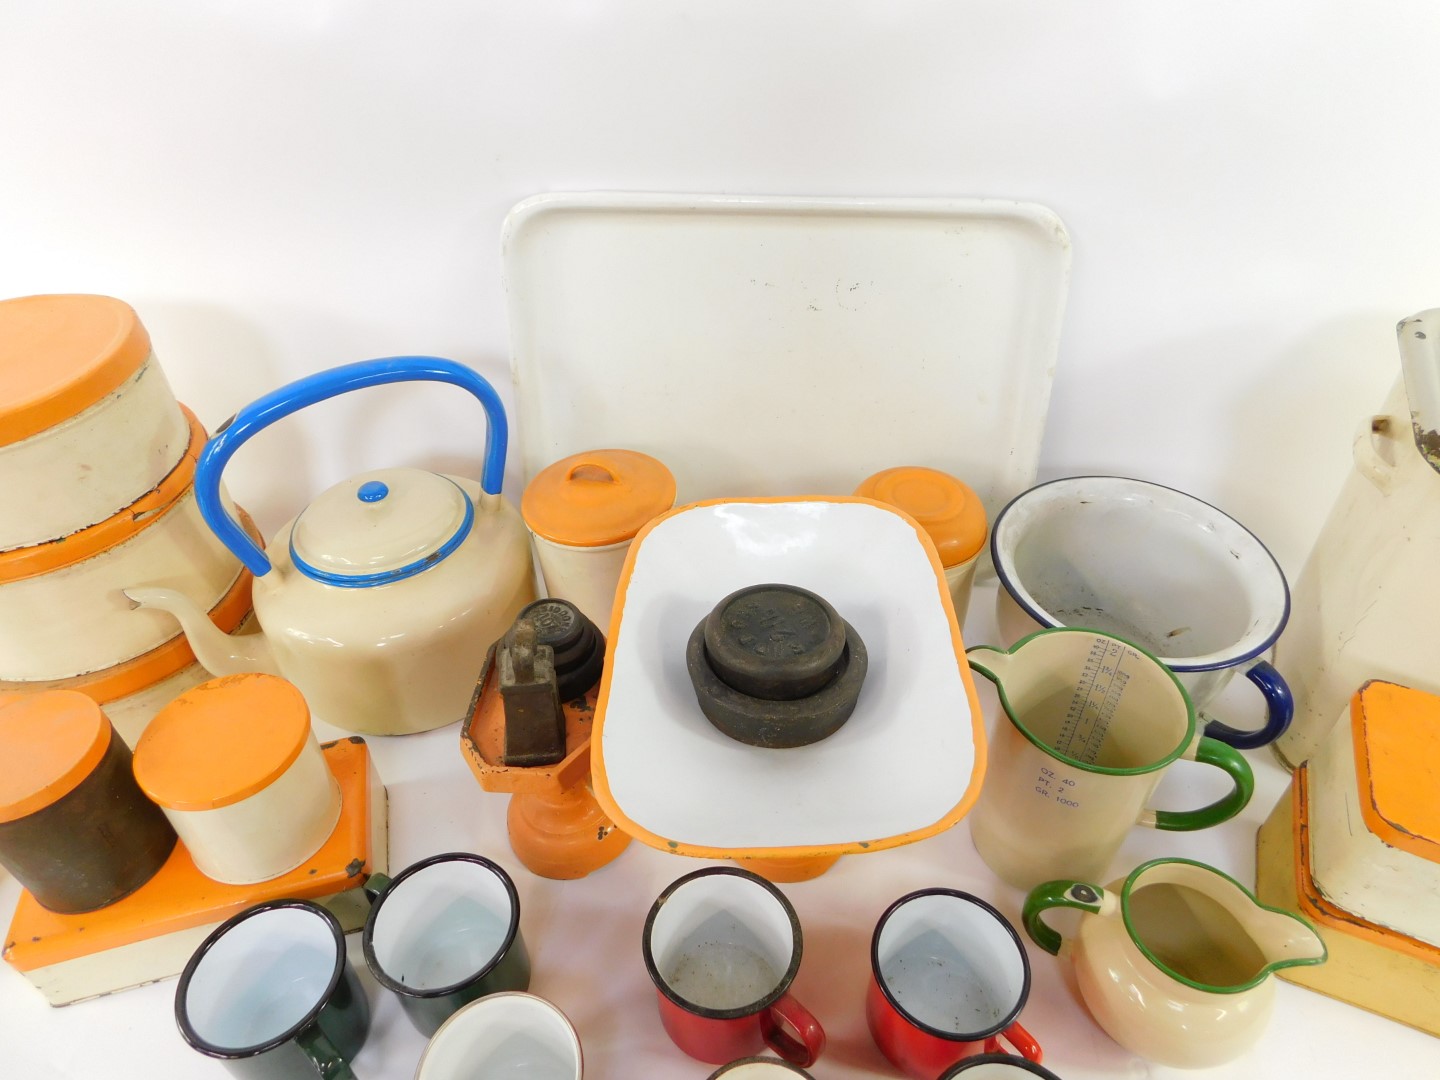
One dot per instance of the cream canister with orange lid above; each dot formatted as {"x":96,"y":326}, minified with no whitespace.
{"x":950,"y":513}
{"x":84,"y":409}
{"x":583,"y":512}
{"x":237,"y":769}
{"x":75,"y":830}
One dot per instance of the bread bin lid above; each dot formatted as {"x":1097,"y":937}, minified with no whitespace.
{"x":61,"y":354}
{"x":597,"y":498}
{"x":49,"y":743}
{"x":948,"y":509}
{"x":1396,"y":732}
{"x":222,"y":742}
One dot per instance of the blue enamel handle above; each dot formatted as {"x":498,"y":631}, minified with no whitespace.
{"x":1279,"y":710}
{"x":264,"y":411}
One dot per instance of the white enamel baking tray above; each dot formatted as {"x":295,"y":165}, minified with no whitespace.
{"x":781,"y":346}
{"x":907,"y":764}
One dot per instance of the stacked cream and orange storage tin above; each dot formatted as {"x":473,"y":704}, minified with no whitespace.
{"x":97,"y":460}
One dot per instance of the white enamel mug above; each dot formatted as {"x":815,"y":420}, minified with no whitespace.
{"x":1154,"y":566}
{"x":759,"y":1068}
{"x":508,"y":1034}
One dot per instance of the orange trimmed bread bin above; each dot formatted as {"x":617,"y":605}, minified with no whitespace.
{"x":84,"y":409}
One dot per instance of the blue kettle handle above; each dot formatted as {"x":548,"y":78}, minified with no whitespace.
{"x":263,"y":412}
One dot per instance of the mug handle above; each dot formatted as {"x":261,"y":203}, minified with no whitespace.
{"x":329,"y":1063}
{"x":787,"y":1012}
{"x":1209,"y":752}
{"x":291,"y":397}
{"x":374,"y":887}
{"x":1080,"y":895}
{"x":1279,"y":711}
{"x":1021,"y":1040}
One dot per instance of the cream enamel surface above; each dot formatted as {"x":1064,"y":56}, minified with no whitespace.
{"x":76,"y":620}
{"x":1160,"y":1018}
{"x":960,"y":578}
{"x":504,"y":1035}
{"x":390,"y":659}
{"x":270,"y":832}
{"x":1365,"y":600}
{"x":1020,"y":825}
{"x":586,"y":576}
{"x":80,"y":457}
{"x":671,"y":772}
{"x":1351,"y":866}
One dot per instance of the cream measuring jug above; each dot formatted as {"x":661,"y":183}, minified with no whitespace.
{"x":1091,"y":724}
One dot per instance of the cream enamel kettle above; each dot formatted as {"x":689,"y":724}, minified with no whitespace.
{"x":380,"y":598}
{"x":1364,"y":606}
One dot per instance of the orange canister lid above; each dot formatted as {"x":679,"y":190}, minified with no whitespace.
{"x":1396,"y":732}
{"x":597,"y":498}
{"x":222,"y":741}
{"x":49,"y":743}
{"x":61,"y":354}
{"x":946,"y":508}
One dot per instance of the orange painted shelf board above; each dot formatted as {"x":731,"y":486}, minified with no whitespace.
{"x":1369,"y":966}
{"x":482,"y":739}
{"x":150,"y":934}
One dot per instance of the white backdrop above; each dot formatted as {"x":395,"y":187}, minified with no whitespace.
{"x":279,"y":187}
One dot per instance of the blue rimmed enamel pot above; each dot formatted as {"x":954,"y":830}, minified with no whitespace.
{"x":1154,"y":566}
{"x":271,"y":996}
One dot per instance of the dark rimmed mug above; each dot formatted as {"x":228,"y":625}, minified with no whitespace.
{"x":444,"y":932}
{"x":997,"y":1067}
{"x":722,"y":946}
{"x":759,"y":1068}
{"x":271,"y":996}
{"x":949,"y":977}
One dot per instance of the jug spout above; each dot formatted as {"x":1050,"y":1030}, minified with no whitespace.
{"x":218,"y":652}
{"x":1285,"y":940}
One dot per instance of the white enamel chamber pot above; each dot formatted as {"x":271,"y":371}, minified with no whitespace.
{"x":1157,"y":567}
{"x":380,"y":599}
{"x":84,"y":409}
{"x":62,"y":609}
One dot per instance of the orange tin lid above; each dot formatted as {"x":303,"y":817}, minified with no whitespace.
{"x":597,"y":498}
{"x":948,"y":510}
{"x":49,"y":743}
{"x":61,"y":354}
{"x":222,"y":741}
{"x":1396,"y":732}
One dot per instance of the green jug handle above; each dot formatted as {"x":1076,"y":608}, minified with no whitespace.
{"x":1080,"y":895}
{"x":1226,"y":758}
{"x":374,"y":887}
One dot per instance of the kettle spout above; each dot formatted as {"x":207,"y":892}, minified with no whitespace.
{"x":218,"y":652}
{"x":1287,"y":940}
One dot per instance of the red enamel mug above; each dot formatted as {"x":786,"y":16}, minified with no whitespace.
{"x":948,"y":979}
{"x":722,"y":947}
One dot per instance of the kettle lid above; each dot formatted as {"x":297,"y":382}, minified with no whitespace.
{"x":380,"y":527}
